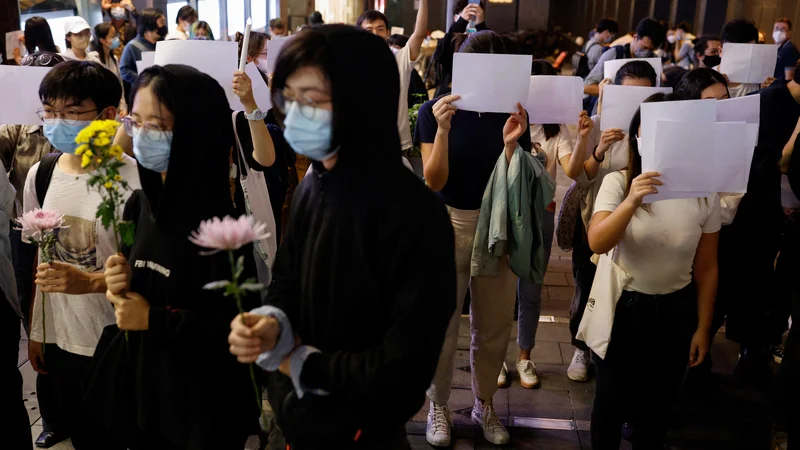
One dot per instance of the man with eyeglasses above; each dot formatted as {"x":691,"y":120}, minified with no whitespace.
{"x":73,"y":94}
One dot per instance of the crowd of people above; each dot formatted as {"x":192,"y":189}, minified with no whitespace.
{"x":373,"y":265}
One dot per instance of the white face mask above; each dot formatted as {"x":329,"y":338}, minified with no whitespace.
{"x":118,"y":12}
{"x":672,"y":39}
{"x":79,"y":42}
{"x":261,"y":63}
{"x":779,"y":37}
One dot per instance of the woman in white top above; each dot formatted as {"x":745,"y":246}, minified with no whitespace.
{"x":662,"y":319}
{"x":186,"y":18}
{"x":603,"y":153}
{"x":78,"y":35}
{"x":106,"y":40}
{"x":553,"y":144}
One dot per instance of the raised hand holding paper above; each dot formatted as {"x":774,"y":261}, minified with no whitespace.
{"x":554,"y":99}
{"x":491,"y":82}
{"x":219,"y":60}
{"x":621,"y":102}
{"x":748,"y":63}
{"x":19,"y":89}
{"x":610,"y":68}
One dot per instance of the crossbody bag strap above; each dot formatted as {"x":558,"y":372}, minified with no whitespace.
{"x":240,"y":153}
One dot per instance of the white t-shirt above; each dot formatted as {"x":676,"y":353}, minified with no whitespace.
{"x":90,"y":56}
{"x":659,"y":246}
{"x":75,"y":322}
{"x":177,"y":35}
{"x":738,"y":90}
{"x":556,"y":147}
{"x":405,"y":65}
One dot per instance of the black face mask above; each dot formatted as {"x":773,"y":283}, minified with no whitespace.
{"x":162,"y":32}
{"x":712,"y":61}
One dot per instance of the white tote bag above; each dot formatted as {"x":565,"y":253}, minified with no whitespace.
{"x":256,"y":200}
{"x":598,"y":317}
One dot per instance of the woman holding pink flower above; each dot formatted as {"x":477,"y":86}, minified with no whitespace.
{"x":364,"y":283}
{"x":172,"y":383}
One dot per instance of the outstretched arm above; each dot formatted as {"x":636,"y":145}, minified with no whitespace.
{"x":420,"y":31}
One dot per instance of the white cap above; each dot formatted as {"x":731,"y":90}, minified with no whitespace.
{"x":75,"y":25}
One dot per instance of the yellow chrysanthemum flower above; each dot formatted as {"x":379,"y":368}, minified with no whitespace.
{"x":102,"y":141}
{"x":86,"y":160}
{"x":88,"y":153}
{"x":115,"y":151}
{"x":118,"y":177}
{"x":85,"y":135}
{"x":108,"y":184}
{"x":81,"y":149}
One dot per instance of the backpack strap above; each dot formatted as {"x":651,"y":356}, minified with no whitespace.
{"x":140,"y":46}
{"x":620,"y":49}
{"x":44,"y":174}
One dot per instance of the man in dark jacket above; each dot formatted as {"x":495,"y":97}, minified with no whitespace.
{"x":364,"y":283}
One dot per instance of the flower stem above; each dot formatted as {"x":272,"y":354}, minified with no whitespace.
{"x":237,"y":295}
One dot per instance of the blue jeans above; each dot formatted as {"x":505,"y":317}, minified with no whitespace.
{"x":530,"y":295}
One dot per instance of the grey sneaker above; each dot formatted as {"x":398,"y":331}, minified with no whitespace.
{"x":502,"y":379}
{"x":579,"y":368}
{"x":439,"y":425}
{"x":493,"y":430}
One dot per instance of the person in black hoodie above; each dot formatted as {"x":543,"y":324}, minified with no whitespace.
{"x":169,"y":383}
{"x":364,"y":282}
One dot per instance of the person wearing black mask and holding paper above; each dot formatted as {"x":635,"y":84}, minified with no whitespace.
{"x":169,"y":382}
{"x":362,"y":324}
{"x":152,"y":28}
{"x":706,"y":52}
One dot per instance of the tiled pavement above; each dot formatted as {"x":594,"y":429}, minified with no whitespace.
{"x":728,"y":415}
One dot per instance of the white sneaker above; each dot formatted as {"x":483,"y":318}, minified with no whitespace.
{"x":579,"y":368}
{"x":493,"y":430}
{"x":439,"y":425}
{"x":502,"y":379}
{"x":527,"y":374}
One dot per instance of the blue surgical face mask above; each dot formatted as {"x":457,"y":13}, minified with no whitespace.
{"x":308,"y":130}
{"x":115,"y":43}
{"x":62,"y":135}
{"x":153,"y":151}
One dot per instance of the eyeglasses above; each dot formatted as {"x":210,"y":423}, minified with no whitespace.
{"x":152,"y":132}
{"x":70,"y":117}
{"x":45,"y":59}
{"x":308,"y":108}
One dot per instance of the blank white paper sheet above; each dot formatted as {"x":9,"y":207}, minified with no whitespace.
{"x":748,"y":63}
{"x":219,"y":60}
{"x":621,"y":102}
{"x":554,"y":99}
{"x":491,"y":82}
{"x":19,"y":89}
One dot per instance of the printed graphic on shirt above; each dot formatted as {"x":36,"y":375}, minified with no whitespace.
{"x":77,"y":244}
{"x":152,"y":266}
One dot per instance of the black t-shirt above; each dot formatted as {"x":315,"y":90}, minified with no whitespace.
{"x":476,"y":141}
{"x":787,"y":58}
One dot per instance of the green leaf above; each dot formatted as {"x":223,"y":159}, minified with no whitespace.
{"x":231,"y":289}
{"x":127,"y":231}
{"x":239,"y":268}
{"x":215,"y":285}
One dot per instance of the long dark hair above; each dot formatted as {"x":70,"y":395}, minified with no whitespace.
{"x":543,"y":67}
{"x":485,"y":41}
{"x":101,"y":32}
{"x":39,"y":36}
{"x":693,"y":84}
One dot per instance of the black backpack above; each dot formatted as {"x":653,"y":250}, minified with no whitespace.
{"x":580,"y":62}
{"x":44,"y":174}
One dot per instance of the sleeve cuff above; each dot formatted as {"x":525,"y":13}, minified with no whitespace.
{"x":271,"y":360}
{"x":296,"y":364}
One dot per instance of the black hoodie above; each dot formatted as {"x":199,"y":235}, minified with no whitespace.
{"x":177,"y":382}
{"x":366,"y":273}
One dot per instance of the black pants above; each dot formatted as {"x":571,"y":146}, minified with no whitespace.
{"x":786,"y":269}
{"x":643,"y":369}
{"x":17,"y":435}
{"x":583,"y":270}
{"x":69,"y":372}
{"x":789,"y":375}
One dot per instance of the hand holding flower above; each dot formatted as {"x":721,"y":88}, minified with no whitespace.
{"x":59,"y":277}
{"x":251,"y":335}
{"x":132,"y":311}
{"x":117,"y":274}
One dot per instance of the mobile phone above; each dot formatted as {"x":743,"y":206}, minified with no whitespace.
{"x":474,"y":2}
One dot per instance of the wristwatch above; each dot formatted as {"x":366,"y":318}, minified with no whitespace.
{"x":256,"y":115}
